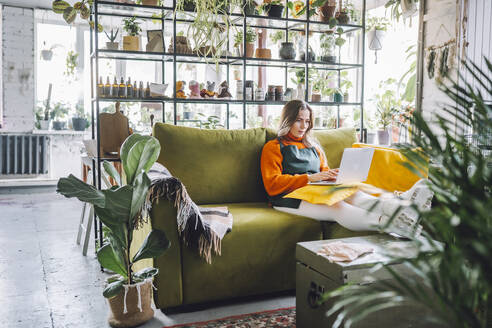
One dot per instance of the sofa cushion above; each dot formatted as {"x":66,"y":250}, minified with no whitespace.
{"x":258,"y":255}
{"x":216,"y":166}
{"x":333,"y":141}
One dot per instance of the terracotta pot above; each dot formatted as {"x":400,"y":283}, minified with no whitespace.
{"x":316,"y":97}
{"x":149,"y":2}
{"x":250,"y":49}
{"x":134,"y":315}
{"x":263,"y":53}
{"x":131,"y":43}
{"x":326,"y":12}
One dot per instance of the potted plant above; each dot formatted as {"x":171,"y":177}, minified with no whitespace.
{"x":376,"y":27}
{"x":387,"y":104}
{"x":58,"y":115}
{"x":327,"y":10}
{"x":122,"y":210}
{"x":273,"y":8}
{"x":327,"y":46}
{"x":345,"y":85}
{"x":250,"y":39}
{"x":249,"y":8}
{"x":342,"y":14}
{"x":112,"y":44}
{"x":47,"y":52}
{"x":300,"y":81}
{"x":71,"y":63}
{"x":402,"y":8}
{"x":79,"y":121}
{"x":42,"y":114}
{"x":131,"y":42}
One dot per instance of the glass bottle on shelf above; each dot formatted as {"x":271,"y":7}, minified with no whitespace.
{"x":107,"y":88}
{"x":129,"y":88}
{"x":115,"y":89}
{"x":100,"y":88}
{"x":147,"y":91}
{"x":135,"y":90}
{"x":122,"y":88}
{"x":141,"y":90}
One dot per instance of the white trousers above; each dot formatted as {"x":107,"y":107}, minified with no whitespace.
{"x":359,"y":212}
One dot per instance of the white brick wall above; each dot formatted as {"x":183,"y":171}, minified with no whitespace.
{"x":18,"y":69}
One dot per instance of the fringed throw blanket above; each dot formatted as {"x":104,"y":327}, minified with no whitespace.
{"x":199,"y":227}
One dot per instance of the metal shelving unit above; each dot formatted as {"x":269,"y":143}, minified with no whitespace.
{"x":166,"y":15}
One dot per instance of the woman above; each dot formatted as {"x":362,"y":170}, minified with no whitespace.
{"x":295,"y":158}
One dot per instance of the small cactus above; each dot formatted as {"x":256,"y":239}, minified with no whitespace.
{"x":113,"y":36}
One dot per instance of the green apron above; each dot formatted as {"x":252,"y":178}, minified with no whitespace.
{"x":295,"y":161}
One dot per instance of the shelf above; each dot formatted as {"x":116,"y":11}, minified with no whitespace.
{"x":110,"y":8}
{"x":225,"y":60}
{"x":219,"y":101}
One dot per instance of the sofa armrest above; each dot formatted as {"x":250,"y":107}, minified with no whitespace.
{"x":168,"y":282}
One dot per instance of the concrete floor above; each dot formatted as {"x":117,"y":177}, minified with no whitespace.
{"x":45,"y":282}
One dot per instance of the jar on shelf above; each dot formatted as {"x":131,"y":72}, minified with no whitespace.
{"x":259,"y":96}
{"x":270,"y":96}
{"x":279,"y":93}
{"x":287,"y":51}
{"x":239,"y":90}
{"x":327,"y":46}
{"x":248,"y":90}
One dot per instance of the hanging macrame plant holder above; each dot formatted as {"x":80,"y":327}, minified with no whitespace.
{"x":375,"y":38}
{"x":408,"y":9}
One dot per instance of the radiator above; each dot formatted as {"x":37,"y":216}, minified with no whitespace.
{"x":23,"y":154}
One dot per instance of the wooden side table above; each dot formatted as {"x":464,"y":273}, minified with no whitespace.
{"x":315,"y":275}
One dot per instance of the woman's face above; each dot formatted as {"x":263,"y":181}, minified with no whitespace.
{"x":300,"y":126}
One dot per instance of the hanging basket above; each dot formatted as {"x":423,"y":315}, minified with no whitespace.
{"x":375,"y":41}
{"x":408,"y":8}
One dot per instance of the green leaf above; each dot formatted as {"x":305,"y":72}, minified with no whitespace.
{"x":140,"y":187}
{"x":117,"y":242}
{"x":59,"y":6}
{"x":118,"y":203}
{"x":111,"y":170}
{"x":333,"y":22}
{"x":84,"y":12}
{"x":145,"y":274}
{"x":153,"y":246}
{"x":125,"y":150}
{"x":113,"y":289}
{"x":69,"y":15}
{"x":74,"y":187}
{"x":108,"y":259}
{"x":141,"y":156}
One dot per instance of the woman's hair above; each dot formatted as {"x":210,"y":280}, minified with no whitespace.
{"x":288,"y":118}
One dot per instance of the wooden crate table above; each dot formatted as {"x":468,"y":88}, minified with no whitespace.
{"x":315,"y":274}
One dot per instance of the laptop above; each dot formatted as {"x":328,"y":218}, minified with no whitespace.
{"x":354,"y":167}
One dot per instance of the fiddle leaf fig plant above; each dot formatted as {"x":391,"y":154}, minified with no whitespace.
{"x":121,"y":209}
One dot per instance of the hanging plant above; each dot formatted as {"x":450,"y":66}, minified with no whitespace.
{"x":71,"y":63}
{"x":70,"y":12}
{"x":402,"y":8}
{"x":211,"y":25}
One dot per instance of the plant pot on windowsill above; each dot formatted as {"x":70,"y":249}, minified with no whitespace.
{"x":131,"y":43}
{"x":79,"y":123}
{"x":44,"y":124}
{"x":274,"y":10}
{"x":58,"y":125}
{"x":371,"y":137}
{"x":46,"y":54}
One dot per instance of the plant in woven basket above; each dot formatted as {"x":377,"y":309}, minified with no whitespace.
{"x":453,"y":285}
{"x":121,"y":209}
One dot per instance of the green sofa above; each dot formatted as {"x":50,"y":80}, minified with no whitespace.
{"x":222,"y":167}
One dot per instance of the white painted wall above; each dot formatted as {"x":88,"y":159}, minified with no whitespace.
{"x":18,"y":69}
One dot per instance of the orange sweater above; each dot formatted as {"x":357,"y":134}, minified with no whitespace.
{"x":271,"y":167}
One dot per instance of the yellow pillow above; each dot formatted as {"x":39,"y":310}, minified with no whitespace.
{"x":387,"y":170}
{"x":329,"y":195}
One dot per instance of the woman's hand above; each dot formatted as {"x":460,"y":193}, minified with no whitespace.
{"x":321,"y":176}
